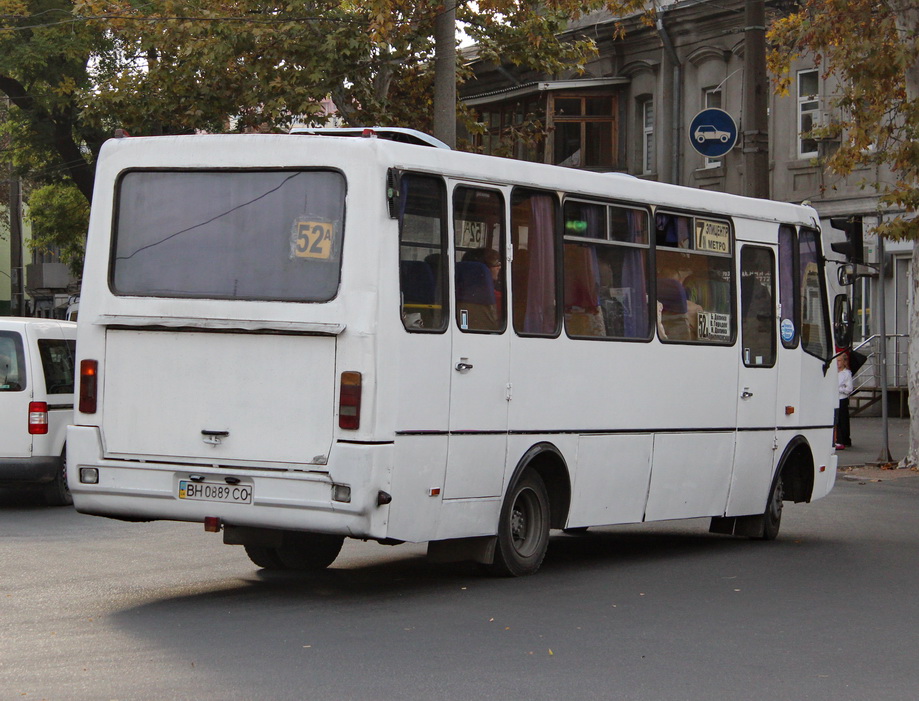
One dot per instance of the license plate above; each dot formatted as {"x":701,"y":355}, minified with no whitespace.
{"x":215,"y":491}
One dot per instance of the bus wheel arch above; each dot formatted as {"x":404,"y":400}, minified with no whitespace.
{"x":796,"y":469}
{"x":547,"y":461}
{"x":793,"y":481}
{"x":536,"y":500}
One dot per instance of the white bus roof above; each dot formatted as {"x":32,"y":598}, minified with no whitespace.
{"x":303,"y":149}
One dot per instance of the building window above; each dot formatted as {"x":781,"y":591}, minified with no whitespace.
{"x":808,"y":112}
{"x":711,"y":99}
{"x":513,"y":130}
{"x":647,"y":137}
{"x":584,"y":131}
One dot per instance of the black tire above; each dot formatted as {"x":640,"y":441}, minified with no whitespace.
{"x":301,"y":552}
{"x":772,"y":518}
{"x":523,"y":531}
{"x":264,"y":557}
{"x":56,"y":492}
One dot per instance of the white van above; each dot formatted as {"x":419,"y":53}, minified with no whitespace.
{"x":36,"y":403}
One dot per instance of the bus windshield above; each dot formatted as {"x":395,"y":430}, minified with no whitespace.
{"x":254,"y":235}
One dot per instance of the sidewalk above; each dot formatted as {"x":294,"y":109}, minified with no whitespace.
{"x":864,"y":460}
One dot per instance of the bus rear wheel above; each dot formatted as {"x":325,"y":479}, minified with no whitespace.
{"x":299,"y":552}
{"x":523,"y":531}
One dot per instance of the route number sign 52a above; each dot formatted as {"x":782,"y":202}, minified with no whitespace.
{"x":313,"y":239}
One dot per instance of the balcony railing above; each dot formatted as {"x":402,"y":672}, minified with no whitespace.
{"x":868,"y":380}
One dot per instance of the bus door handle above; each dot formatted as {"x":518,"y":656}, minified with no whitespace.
{"x":746,"y":394}
{"x":463,"y":366}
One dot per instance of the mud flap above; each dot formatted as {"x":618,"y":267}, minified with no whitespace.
{"x":745,"y":526}
{"x":480,"y":549}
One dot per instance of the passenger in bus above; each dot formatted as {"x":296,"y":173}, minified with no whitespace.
{"x":492,"y":260}
{"x":678,"y":313}
{"x":583,"y":315}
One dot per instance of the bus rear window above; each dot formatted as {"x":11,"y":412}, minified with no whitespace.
{"x":255,"y":235}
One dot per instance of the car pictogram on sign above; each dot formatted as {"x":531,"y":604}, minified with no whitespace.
{"x":707,"y":132}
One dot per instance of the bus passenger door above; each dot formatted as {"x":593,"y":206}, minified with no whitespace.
{"x":754,"y":451}
{"x":479,"y":385}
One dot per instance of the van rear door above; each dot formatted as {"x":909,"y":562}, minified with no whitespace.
{"x":15,"y":394}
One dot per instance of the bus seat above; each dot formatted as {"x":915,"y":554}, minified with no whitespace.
{"x":475,"y":296}
{"x":474,"y":283}
{"x":417,"y":281}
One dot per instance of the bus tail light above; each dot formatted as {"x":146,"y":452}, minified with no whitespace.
{"x":38,"y":418}
{"x":89,"y":376}
{"x":349,"y":401}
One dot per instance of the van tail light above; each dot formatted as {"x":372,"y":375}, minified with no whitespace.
{"x":89,"y":382}
{"x":349,"y":401}
{"x":38,"y":418}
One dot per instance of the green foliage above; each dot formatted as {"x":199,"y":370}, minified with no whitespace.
{"x":59,"y":214}
{"x":75,"y":70}
{"x":864,"y":44}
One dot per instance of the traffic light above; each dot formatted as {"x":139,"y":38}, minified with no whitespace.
{"x":853,"y":247}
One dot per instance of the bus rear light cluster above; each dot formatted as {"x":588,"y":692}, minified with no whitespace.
{"x":89,"y":378}
{"x":349,"y":401}
{"x":38,"y":418}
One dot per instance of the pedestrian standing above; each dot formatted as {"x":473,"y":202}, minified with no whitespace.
{"x":843,"y":438}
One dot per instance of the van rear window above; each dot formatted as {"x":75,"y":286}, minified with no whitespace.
{"x":12,"y":362}
{"x":254,"y":235}
{"x":57,"y":364}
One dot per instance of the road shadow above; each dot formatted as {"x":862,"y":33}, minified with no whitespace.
{"x":394,"y":575}
{"x":19,"y":499}
{"x":412,"y":609}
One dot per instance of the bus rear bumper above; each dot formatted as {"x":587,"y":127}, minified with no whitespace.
{"x":312,"y":501}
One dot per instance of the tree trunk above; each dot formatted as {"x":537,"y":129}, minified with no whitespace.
{"x":907,"y":17}
{"x":912,"y":455}
{"x":445,"y":76}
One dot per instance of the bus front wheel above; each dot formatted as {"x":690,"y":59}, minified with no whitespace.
{"x":523,"y":531}
{"x":772,"y":518}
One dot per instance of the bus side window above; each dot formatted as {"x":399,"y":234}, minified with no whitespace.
{"x":814,"y":313}
{"x":423,"y":253}
{"x":606,"y":271}
{"x":478,"y":239}
{"x":757,"y":306}
{"x":790,"y":323}
{"x":533,"y":274}
{"x":695,"y":287}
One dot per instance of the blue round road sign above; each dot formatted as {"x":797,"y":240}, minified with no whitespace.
{"x":713,"y":132}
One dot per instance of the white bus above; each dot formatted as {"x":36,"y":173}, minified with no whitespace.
{"x":300,"y":338}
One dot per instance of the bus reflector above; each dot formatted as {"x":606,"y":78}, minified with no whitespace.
{"x":38,"y":418}
{"x":89,"y":372}
{"x":349,"y":401}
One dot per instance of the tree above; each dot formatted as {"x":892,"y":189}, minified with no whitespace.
{"x":76,"y":70}
{"x":872,"y":47}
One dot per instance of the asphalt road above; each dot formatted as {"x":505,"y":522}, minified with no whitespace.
{"x":98,"y":609}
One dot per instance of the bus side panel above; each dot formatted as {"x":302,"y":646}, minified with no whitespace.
{"x":691,"y":475}
{"x":753,"y":471}
{"x":466,"y":518}
{"x":611,"y":480}
{"x":418,"y":481}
